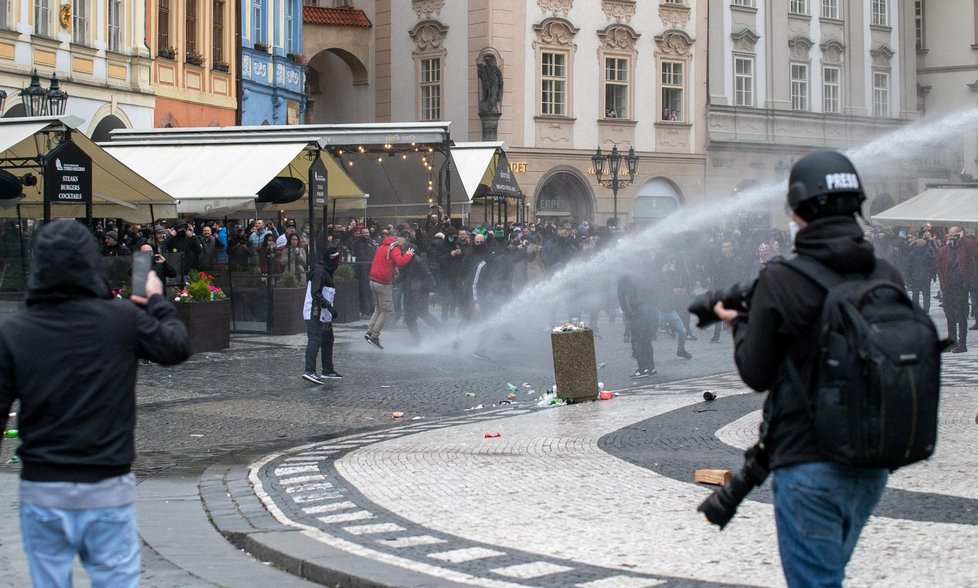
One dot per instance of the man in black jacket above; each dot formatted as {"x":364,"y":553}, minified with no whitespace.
{"x":820,"y":506}
{"x":319,"y":314}
{"x":77,"y":422}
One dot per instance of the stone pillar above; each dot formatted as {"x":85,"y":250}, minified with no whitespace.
{"x":490,"y":123}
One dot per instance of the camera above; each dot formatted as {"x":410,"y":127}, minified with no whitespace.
{"x":736,"y":297}
{"x":722,"y":505}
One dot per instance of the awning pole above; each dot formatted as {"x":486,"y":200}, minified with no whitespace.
{"x":23,"y":250}
{"x":227,"y":249}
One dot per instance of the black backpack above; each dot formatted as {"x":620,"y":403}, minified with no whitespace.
{"x":877,"y":380}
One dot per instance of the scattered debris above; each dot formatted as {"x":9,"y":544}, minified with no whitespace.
{"x":601,"y":365}
{"x":511,"y":387}
{"x":385,"y":386}
{"x":196,"y":435}
{"x":397,"y":414}
{"x":717,"y":477}
{"x":709,"y":395}
{"x":511,"y":396}
{"x":493,"y":435}
{"x":571,"y":327}
{"x":606,"y":395}
{"x":471,"y":394}
{"x":416,"y":418}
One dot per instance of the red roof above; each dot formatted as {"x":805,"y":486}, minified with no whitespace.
{"x":334,"y":16}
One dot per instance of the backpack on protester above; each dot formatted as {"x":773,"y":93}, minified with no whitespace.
{"x":876,"y":384}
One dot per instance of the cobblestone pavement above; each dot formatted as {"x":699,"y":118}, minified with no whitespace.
{"x":601,"y":494}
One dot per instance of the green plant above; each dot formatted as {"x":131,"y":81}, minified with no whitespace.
{"x":288,"y":280}
{"x":343,"y":273}
{"x":195,"y":58}
{"x":200,"y":289}
{"x":261,"y":46}
{"x":167,"y":52}
{"x":223,"y":66}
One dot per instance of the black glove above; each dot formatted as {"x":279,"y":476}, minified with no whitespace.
{"x":332,"y":312}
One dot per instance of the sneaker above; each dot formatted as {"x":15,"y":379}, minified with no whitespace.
{"x":717,"y":340}
{"x":375,"y":341}
{"x":643,"y":374}
{"x":690,"y":337}
{"x":331,"y":375}
{"x":684,"y":354}
{"x":481,"y":355}
{"x":311,"y":378}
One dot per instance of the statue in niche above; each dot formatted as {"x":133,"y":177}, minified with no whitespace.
{"x":491,"y":85}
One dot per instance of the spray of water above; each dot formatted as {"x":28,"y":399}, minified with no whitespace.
{"x":542,"y":303}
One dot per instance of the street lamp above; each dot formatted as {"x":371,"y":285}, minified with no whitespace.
{"x":608,"y":172}
{"x":34,"y":97}
{"x":57,"y":98}
{"x":3,"y":98}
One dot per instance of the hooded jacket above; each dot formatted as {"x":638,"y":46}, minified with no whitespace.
{"x":387,"y":256}
{"x":785,"y":310}
{"x":71,"y":356}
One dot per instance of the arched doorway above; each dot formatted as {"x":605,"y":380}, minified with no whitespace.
{"x":563,"y":194}
{"x":105,"y":127}
{"x":655,"y":200}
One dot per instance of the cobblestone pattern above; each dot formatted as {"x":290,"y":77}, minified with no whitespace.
{"x":547,"y":494}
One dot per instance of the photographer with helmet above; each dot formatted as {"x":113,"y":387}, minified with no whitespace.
{"x":820,"y":504}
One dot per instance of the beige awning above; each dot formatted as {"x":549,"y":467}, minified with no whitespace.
{"x":214,"y":180}
{"x":939,"y":206}
{"x":117,"y":191}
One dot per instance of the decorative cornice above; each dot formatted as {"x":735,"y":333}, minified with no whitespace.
{"x":555,"y":7}
{"x":428,"y":35}
{"x":673,"y":42}
{"x":618,"y":10}
{"x":618,"y":36}
{"x":881,"y":56}
{"x":556,"y":31}
{"x":832,"y":50}
{"x":800,"y":46}
{"x":674,"y":16}
{"x":427,"y":8}
{"x":745,"y":40}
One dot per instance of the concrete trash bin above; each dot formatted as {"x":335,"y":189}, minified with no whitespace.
{"x":575,"y":369}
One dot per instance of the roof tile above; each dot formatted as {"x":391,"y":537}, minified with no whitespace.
{"x":334,"y":16}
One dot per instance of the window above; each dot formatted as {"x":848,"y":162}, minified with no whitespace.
{"x":289,"y":30}
{"x":115,"y":26}
{"x":918,"y":23}
{"x":79,"y":22}
{"x":880,"y":13}
{"x":163,"y":24}
{"x":830,"y":9}
{"x":42,"y":17}
{"x":256,"y":18}
{"x":672,"y":91}
{"x":5,"y":14}
{"x":218,"y":32}
{"x":799,"y":86}
{"x":191,"y":26}
{"x":431,"y":88}
{"x":881,"y":93}
{"x":831,"y":90}
{"x":616,"y":87}
{"x":748,"y":3}
{"x":553,"y":73}
{"x":743,"y":81}
{"x":342,"y":3}
{"x":798,"y":7}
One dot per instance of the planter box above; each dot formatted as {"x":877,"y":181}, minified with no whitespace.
{"x":575,"y":369}
{"x":347,"y":300}
{"x":209,"y":324}
{"x":287,"y":311}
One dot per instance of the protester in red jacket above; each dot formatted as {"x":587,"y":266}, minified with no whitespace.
{"x":389,"y":255}
{"x":955,"y":266}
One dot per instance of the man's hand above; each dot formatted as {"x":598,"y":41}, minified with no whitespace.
{"x":332,"y":312}
{"x":724,"y":314}
{"x":410,"y":251}
{"x":153,"y":286}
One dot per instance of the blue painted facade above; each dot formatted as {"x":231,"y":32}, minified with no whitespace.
{"x":273,"y":83}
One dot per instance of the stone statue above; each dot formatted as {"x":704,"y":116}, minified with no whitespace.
{"x":491,"y":85}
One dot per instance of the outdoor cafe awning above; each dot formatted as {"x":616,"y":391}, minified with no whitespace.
{"x":942,"y":205}
{"x":216,"y":179}
{"x":117,"y":190}
{"x":484,"y":170}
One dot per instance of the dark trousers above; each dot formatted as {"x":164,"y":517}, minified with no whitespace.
{"x":643,"y":326}
{"x":956,"y":311}
{"x":414,"y":310}
{"x":364,"y":295}
{"x":921,"y":295}
{"x":319,"y":340}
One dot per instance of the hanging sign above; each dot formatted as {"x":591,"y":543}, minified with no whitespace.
{"x":317,"y":182}
{"x":68,"y":175}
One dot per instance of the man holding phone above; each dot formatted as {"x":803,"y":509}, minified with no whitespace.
{"x":77,"y":422}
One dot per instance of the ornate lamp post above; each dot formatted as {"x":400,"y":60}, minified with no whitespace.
{"x":608,"y":172}
{"x":57,"y":98}
{"x":34,"y":97}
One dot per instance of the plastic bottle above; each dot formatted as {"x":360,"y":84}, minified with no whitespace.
{"x":11,"y":433}
{"x":511,"y":387}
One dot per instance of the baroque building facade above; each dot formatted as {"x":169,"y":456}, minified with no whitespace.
{"x":272,"y":63}
{"x":96,"y":50}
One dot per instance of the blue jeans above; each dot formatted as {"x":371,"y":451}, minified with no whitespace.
{"x":671,"y":319}
{"x":820,"y":508}
{"x":105,"y":539}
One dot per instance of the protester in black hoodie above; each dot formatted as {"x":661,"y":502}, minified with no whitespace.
{"x":77,"y":420}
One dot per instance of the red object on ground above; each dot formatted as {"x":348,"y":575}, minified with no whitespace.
{"x":493,"y":435}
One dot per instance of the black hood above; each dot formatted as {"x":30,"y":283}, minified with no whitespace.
{"x":838,"y":242}
{"x":66,"y":265}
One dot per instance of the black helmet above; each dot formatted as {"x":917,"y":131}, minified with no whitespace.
{"x":824,"y":183}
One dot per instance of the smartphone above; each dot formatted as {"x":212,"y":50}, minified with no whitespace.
{"x":142,"y":263}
